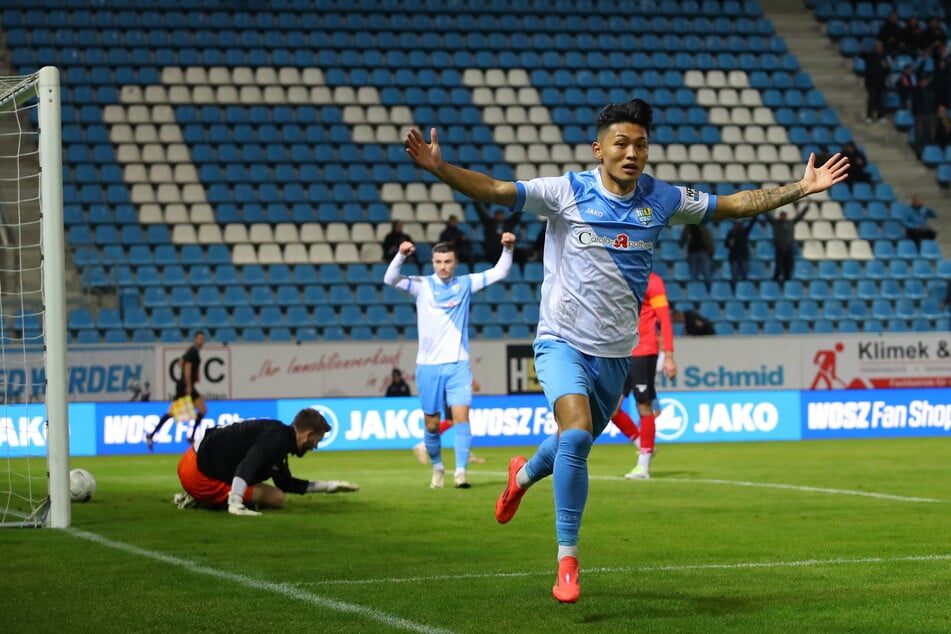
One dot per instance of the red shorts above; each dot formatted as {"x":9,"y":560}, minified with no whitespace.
{"x":204,"y":489}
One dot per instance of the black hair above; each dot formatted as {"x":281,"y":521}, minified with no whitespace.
{"x":634,"y":111}
{"x":309,"y":419}
{"x":444,"y":247}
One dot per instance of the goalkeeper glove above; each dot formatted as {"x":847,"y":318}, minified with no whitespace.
{"x":337,"y":486}
{"x":236,"y":506}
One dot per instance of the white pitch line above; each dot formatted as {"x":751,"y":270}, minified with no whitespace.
{"x":288,"y":590}
{"x":641,"y":569}
{"x":765,"y":485}
{"x":796,"y":487}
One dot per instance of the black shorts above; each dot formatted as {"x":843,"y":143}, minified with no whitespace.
{"x":180,"y":392}
{"x":640,"y":378}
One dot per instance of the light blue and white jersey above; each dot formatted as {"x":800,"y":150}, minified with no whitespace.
{"x":598,"y":253}
{"x":442,"y":308}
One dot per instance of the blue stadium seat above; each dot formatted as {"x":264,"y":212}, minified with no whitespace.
{"x":799,"y":327}
{"x":773,"y":328}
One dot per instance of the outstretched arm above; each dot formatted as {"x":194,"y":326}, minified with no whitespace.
{"x":752,"y":202}
{"x":501,"y":269}
{"x":476,"y":185}
{"x":392,"y":276}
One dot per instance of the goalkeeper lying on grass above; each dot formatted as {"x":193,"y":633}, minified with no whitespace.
{"x":228,"y":466}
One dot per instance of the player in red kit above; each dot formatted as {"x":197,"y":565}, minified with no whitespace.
{"x":640,"y":378}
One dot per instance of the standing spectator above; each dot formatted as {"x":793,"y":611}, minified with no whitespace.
{"x":933,"y":36}
{"x":941,"y":74}
{"x":738,"y":248}
{"x":189,"y":368}
{"x":890,"y":34}
{"x":905,"y":86}
{"x":398,"y":385}
{"x":443,"y":373}
{"x":393,"y":240}
{"x":603,"y":224}
{"x":492,"y":229}
{"x":453,"y":233}
{"x":699,"y":243}
{"x":859,"y":163}
{"x":916,"y":221}
{"x":914,"y":39}
{"x":641,"y":377}
{"x":784,"y":243}
{"x":227,"y":468}
{"x":942,"y":135}
{"x":877,"y":69}
{"x":925,"y":111}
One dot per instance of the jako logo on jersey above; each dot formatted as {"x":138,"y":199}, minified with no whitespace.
{"x":672,"y":421}
{"x":593,"y":212}
{"x":328,"y":414}
{"x":645,"y":215}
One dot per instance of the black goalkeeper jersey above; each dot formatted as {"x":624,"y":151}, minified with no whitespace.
{"x":253,"y":450}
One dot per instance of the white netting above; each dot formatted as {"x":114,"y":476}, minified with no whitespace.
{"x":24,"y":487}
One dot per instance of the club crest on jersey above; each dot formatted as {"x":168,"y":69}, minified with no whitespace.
{"x":645,"y":215}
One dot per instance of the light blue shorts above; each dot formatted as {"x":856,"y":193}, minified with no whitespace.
{"x":563,"y":370}
{"x":444,"y":384}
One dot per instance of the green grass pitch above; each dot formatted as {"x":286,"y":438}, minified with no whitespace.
{"x":823,"y":536}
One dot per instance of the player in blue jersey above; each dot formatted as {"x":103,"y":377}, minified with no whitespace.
{"x":443,"y":374}
{"x":602,"y":229}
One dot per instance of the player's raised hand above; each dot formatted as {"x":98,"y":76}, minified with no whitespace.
{"x":427,"y":155}
{"x":508,"y":239}
{"x":407,"y":248}
{"x":819,"y":179}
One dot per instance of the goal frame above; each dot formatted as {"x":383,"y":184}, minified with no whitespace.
{"x":44,"y":85}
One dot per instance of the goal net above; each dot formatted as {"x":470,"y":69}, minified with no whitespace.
{"x":34,"y":427}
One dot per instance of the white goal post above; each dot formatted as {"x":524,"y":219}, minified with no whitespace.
{"x":34,"y":423}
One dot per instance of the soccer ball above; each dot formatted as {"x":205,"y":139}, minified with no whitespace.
{"x":82,"y":486}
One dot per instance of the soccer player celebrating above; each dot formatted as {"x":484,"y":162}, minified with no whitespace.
{"x":643,"y":372}
{"x":599,"y":244}
{"x":443,"y":373}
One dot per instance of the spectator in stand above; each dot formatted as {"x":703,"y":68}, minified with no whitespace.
{"x":941,"y":77}
{"x":905,"y":85}
{"x":492,"y":229}
{"x":398,"y":385}
{"x":453,"y":233}
{"x":784,"y":243}
{"x":738,"y":248}
{"x":933,"y":35}
{"x":694,"y":323}
{"x":914,"y":39}
{"x":916,"y":221}
{"x":393,"y":240}
{"x":942,"y":134}
{"x":877,"y":69}
{"x":699,"y":243}
{"x":890,"y":34}
{"x":925,"y":111}
{"x":857,"y":173}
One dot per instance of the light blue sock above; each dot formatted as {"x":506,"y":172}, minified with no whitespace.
{"x":571,"y":483}
{"x":463,"y":445}
{"x":542,"y":463}
{"x":433,"y":447}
